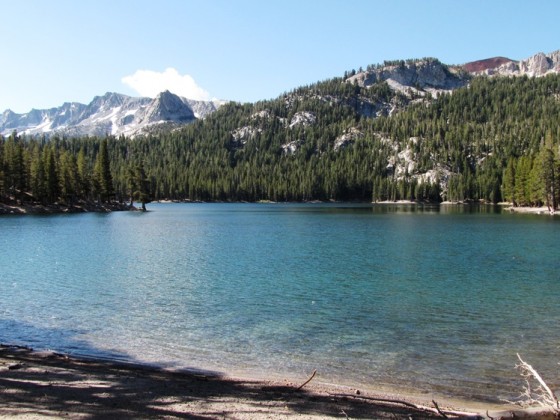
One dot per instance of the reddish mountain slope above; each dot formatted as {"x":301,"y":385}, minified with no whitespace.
{"x":489,"y":63}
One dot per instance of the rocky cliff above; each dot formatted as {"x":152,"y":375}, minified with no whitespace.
{"x":413,"y":76}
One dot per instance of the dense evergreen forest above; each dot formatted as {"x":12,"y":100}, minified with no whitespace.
{"x":495,"y":140}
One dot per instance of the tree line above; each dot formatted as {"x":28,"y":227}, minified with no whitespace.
{"x":495,"y":140}
{"x":67,"y":172}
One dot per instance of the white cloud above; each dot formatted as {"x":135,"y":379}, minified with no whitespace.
{"x":150,"y":83}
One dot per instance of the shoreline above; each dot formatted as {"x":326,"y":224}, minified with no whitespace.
{"x":506,"y":207}
{"x":80,"y":207}
{"x":88,"y":207}
{"x":530,"y":210}
{"x":37,"y":384}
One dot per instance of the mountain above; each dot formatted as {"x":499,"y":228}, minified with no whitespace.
{"x":380,"y":90}
{"x":401,"y":130}
{"x":112,"y":113}
{"x":389,"y":132}
{"x":386,"y":89}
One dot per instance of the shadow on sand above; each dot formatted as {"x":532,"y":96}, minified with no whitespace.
{"x":48,"y":384}
{"x":54,"y":385}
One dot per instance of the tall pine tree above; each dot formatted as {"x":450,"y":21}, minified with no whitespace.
{"x":103,"y":180}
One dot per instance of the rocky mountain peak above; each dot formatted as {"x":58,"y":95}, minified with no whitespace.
{"x":169,"y":107}
{"x":109,"y":100}
{"x":420,"y":76}
{"x":541,"y":64}
{"x":537,"y":65}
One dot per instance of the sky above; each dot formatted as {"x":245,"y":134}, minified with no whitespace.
{"x":56,"y":51}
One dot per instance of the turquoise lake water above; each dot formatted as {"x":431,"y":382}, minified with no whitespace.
{"x":439,"y":299}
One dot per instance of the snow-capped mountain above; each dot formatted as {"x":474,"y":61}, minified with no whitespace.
{"x":112,"y":113}
{"x":117,"y":114}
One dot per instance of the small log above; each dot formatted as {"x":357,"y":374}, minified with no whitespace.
{"x":438,"y":411}
{"x":309,"y":380}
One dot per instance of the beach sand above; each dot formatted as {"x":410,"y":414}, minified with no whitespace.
{"x":530,"y":210}
{"x":49,"y":385}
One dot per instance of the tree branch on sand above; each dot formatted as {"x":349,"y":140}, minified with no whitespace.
{"x":437,"y":410}
{"x":309,"y":380}
{"x":541,"y":394}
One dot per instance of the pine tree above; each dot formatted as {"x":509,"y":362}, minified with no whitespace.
{"x":522,"y":175}
{"x":508,"y":183}
{"x":132,"y":184}
{"x":14,"y":167}
{"x":83,"y":175}
{"x":103,"y":180}
{"x":51,"y":175}
{"x":549,"y":178}
{"x":142,"y":184}
{"x":37,"y":175}
{"x":68,"y":177}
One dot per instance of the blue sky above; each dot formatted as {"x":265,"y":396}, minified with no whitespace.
{"x":244,"y":50}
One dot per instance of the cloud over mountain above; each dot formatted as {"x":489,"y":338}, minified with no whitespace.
{"x":150,"y":83}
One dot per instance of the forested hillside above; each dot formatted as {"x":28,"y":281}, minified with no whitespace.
{"x":495,"y":140}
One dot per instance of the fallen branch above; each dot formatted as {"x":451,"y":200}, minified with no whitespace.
{"x":384,"y":400}
{"x":437,"y":410}
{"x":309,"y":380}
{"x":542,"y":394}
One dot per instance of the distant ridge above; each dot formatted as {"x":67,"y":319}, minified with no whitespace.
{"x":116,"y":114}
{"x":113,"y":114}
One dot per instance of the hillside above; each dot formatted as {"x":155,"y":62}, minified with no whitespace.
{"x":414,"y":129}
{"x":318,"y":142}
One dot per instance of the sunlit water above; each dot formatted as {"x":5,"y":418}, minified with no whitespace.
{"x":436,"y":299}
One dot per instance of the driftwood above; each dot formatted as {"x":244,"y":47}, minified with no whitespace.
{"x":309,"y":380}
{"x":437,"y":410}
{"x":541,"y":395}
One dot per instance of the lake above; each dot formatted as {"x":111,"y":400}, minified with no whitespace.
{"x":438,"y":299}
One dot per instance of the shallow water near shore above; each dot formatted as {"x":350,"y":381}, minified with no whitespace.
{"x":433,"y":298}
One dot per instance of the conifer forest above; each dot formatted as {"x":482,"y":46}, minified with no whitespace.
{"x":495,"y":140}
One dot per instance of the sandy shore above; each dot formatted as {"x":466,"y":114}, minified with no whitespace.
{"x":49,"y":385}
{"x":530,"y":210}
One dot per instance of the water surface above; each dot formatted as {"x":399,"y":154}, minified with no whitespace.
{"x":435,"y":298}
